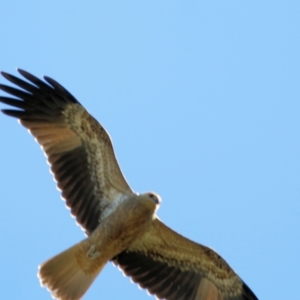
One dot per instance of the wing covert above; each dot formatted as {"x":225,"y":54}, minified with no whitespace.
{"x":172,"y":267}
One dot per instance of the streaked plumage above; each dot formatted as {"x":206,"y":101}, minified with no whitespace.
{"x":121,"y":225}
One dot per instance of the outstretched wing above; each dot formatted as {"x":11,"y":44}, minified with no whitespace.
{"x":174,"y":268}
{"x":78,"y":148}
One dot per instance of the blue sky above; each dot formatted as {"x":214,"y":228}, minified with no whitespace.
{"x":202,"y":101}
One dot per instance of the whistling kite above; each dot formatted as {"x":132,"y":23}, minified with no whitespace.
{"x":121,"y":225}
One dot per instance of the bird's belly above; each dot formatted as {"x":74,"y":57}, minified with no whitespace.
{"x":115,"y":234}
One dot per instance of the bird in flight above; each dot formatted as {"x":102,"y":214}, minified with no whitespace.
{"x":121,"y":226}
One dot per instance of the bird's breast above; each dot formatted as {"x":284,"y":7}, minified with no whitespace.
{"x":118,"y":230}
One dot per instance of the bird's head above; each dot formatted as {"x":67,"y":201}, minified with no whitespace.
{"x":151,"y":200}
{"x":154,"y":198}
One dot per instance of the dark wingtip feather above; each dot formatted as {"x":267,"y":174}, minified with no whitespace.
{"x":33,"y":79}
{"x":14,"y":113}
{"x":15,"y":92}
{"x":35,"y":98}
{"x":12,"y":102}
{"x":249,"y":295}
{"x":5,"y":75}
{"x":37,"y":86}
{"x":20,"y":70}
{"x":57,"y":86}
{"x":9,"y":77}
{"x":26,"y":74}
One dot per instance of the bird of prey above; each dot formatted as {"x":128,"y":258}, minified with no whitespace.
{"x":121,"y":226}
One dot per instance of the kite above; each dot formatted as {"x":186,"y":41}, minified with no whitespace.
{"x":121,"y":226}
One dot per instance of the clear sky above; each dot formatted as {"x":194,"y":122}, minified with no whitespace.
{"x":202,"y":101}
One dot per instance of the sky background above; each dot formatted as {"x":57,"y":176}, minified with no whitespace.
{"x":202,"y":101}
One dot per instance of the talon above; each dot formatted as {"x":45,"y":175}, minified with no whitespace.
{"x":92,"y":253}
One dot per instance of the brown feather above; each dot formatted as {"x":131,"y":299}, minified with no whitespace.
{"x":70,"y":137}
{"x":172,"y":267}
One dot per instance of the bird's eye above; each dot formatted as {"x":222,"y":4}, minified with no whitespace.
{"x":154,"y":198}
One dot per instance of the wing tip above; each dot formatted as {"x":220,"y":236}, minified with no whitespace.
{"x":248,"y":293}
{"x":7,"y":75}
{"x":22,"y":71}
{"x":2,"y":73}
{"x":13,"y":113}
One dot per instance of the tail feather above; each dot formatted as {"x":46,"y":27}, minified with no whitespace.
{"x":69,"y":274}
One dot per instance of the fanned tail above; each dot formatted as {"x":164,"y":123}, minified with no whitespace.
{"x":69,"y":274}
